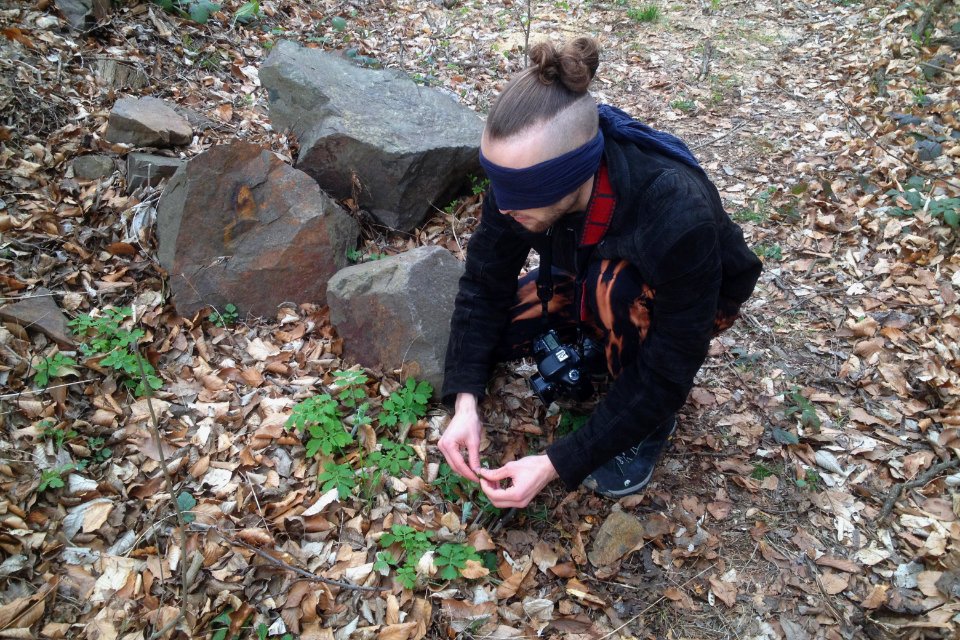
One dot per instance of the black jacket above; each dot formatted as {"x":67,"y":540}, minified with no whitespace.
{"x":670,"y":224}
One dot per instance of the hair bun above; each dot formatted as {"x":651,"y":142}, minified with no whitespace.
{"x":574,"y":65}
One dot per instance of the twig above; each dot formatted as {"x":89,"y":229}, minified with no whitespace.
{"x":158,"y":441}
{"x":933,"y":176}
{"x":303,"y":573}
{"x":655,"y":603}
{"x":30,"y":392}
{"x":718,"y":138}
{"x":923,"y":479}
{"x":928,"y":14}
{"x":526,"y":33}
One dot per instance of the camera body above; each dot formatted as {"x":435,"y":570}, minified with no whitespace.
{"x":563,"y":369}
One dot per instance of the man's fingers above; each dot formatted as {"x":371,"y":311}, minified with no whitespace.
{"x":455,"y":459}
{"x":473,"y":452}
{"x":496,"y":474}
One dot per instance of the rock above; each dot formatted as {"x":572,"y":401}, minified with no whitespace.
{"x":147,"y":122}
{"x":79,"y":13}
{"x":408,"y":146}
{"x":906,"y":119}
{"x":618,"y":536}
{"x":93,"y":167}
{"x":928,"y":150}
{"x":938,"y":65}
{"x":238,"y":225}
{"x":396,"y":311}
{"x":41,"y":313}
{"x":147,"y":168}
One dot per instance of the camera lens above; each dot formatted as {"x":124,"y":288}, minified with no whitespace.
{"x":574,"y":375}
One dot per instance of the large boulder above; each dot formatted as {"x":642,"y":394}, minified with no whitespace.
{"x":374,"y":135}
{"x":238,"y":225}
{"x":147,"y":122}
{"x":396,"y":311}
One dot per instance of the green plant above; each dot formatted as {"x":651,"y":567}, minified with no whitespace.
{"x":118,"y":346}
{"x":415,"y":543}
{"x":49,"y":430}
{"x":479,"y":185}
{"x":646,"y":13}
{"x":98,"y":451}
{"x":186,"y":503}
{"x":811,"y":480}
{"x":919,"y":95}
{"x":760,"y":472}
{"x":341,"y":476}
{"x":452,"y":558}
{"x":802,"y":406}
{"x":351,"y":385}
{"x":52,"y":478}
{"x":197,"y":10}
{"x":407,"y":404}
{"x":53,"y":367}
{"x":769,"y":251}
{"x":392,"y":457}
{"x":229,"y":315}
{"x":263,"y":632}
{"x":318,"y":416}
{"x":570,"y":422}
{"x":683,"y":105}
{"x":945,"y":209}
{"x":247,"y":12}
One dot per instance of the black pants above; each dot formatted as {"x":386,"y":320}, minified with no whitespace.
{"x":619,"y":307}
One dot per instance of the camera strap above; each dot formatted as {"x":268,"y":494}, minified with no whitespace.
{"x":595,"y":226}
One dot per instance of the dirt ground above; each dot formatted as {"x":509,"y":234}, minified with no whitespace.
{"x":811,"y":488}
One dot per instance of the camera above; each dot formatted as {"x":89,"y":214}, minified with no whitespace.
{"x":563,"y":369}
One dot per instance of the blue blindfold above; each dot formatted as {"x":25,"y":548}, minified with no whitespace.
{"x":546,"y":183}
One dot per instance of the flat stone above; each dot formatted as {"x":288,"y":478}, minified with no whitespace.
{"x":93,"y":167}
{"x":149,"y":169}
{"x":147,"y":122}
{"x":40,"y":313}
{"x":397,"y":148}
{"x":619,"y":534}
{"x":237,"y":225}
{"x":928,"y":150}
{"x":396,"y":311}
{"x":906,"y":119}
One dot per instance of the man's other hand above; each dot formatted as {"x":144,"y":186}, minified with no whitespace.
{"x":463,"y":432}
{"x":526,"y":476}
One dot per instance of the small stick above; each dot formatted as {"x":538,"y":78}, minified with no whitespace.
{"x":303,"y":573}
{"x":923,"y":479}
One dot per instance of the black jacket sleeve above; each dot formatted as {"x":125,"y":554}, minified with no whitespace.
{"x":488,"y":288}
{"x":686,"y":276}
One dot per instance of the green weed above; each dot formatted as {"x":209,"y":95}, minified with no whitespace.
{"x":392,"y":457}
{"x":451,"y":559}
{"x":339,"y":476}
{"x":769,"y":251}
{"x":319,"y":418}
{"x":49,"y":430}
{"x":53,"y":478}
{"x":684,"y":105}
{"x":118,"y":347}
{"x":407,"y":404}
{"x":646,"y":13}
{"x":804,"y":408}
{"x":228,"y":316}
{"x":53,"y":367}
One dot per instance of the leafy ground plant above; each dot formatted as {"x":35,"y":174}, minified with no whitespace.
{"x":53,"y":367}
{"x":339,"y":476}
{"x":407,"y":404}
{"x":116,"y":347}
{"x":319,"y":418}
{"x":393,"y":457}
{"x":451,"y":559}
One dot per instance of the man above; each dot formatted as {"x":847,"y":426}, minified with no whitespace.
{"x":636,"y":251}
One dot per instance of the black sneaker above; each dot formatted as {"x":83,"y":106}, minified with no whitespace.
{"x":631,"y":471}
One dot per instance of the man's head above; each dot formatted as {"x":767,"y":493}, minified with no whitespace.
{"x":541,"y":145}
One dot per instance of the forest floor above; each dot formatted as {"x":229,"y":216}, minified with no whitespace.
{"x":812,"y":489}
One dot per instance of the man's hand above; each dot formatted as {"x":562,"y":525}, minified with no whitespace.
{"x":527,"y":477}
{"x":463,"y":432}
